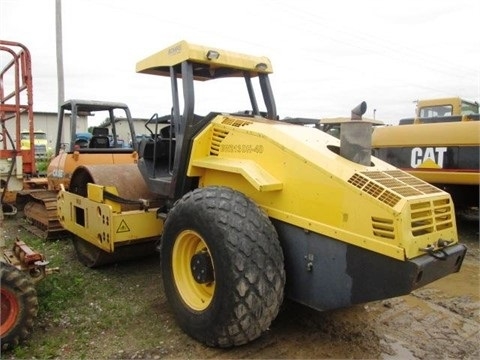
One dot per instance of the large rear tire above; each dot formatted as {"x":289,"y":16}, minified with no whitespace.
{"x":222,"y":267}
{"x":19,"y":306}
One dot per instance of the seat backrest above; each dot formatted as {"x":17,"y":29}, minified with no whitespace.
{"x":100,"y":131}
{"x":99,"y":142}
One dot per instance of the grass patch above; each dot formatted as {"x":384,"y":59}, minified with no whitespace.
{"x":93,"y":313}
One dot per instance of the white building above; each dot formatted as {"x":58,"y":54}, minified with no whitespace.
{"x":47,"y":122}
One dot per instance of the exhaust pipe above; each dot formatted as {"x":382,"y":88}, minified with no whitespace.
{"x":359,"y":110}
{"x":356,"y":137}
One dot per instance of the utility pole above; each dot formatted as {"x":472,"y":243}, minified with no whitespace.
{"x":59,"y":47}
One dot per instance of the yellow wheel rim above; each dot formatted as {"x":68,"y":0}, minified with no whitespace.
{"x":195,"y":295}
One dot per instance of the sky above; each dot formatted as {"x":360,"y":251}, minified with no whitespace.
{"x":327,"y":57}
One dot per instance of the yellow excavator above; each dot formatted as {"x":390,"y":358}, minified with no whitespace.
{"x":440,"y":145}
{"x":246,"y":209}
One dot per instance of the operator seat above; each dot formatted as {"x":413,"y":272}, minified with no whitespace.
{"x":100,"y":139}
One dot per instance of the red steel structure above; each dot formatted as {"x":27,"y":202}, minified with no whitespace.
{"x":16,"y":98}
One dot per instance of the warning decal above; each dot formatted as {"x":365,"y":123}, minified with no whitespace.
{"x":123,"y":227}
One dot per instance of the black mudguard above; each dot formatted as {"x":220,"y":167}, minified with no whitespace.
{"x":324,"y":273}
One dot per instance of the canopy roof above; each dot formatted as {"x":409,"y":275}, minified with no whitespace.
{"x":208,"y":63}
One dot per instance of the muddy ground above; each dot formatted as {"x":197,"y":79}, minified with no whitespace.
{"x":439,"y":321}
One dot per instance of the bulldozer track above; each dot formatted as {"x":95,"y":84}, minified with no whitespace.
{"x":41,"y":216}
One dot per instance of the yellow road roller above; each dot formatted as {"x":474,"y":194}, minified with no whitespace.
{"x":247,"y":209}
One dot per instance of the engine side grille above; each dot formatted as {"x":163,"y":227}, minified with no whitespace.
{"x":383,"y":228}
{"x":219,"y":134}
{"x":390,"y":186}
{"x":374,"y":189}
{"x":236,"y":122}
{"x":430,"y":216}
{"x":217,"y":138}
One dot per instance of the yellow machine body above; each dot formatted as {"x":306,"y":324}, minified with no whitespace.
{"x":341,"y":228}
{"x":103,"y":223}
{"x":382,"y":208}
{"x":307,"y":184}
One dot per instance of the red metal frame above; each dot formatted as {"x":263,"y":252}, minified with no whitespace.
{"x":16,"y":102}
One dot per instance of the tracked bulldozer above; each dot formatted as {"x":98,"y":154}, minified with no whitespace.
{"x":253,"y":209}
